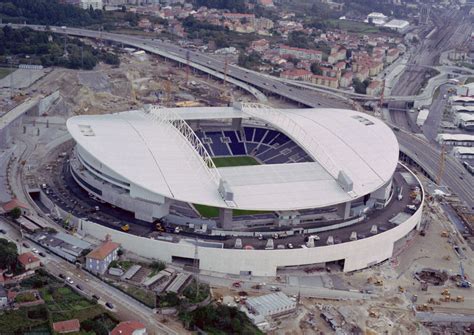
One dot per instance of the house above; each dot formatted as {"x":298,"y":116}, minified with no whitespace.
{"x":325,"y":81}
{"x":313,"y":55}
{"x":392,"y":55}
{"x":3,"y":297}
{"x":7,"y":207}
{"x":29,"y":261}
{"x":260,"y":45}
{"x":129,"y":328}
{"x":269,"y":306}
{"x":346,"y":80}
{"x":68,"y":326}
{"x":296,"y":74}
{"x":374,"y":88}
{"x":266,"y":3}
{"x":362,"y":73}
{"x":99,"y":259}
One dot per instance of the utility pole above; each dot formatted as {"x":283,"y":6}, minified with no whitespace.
{"x":11,"y":77}
{"x":196,"y":266}
{"x":442,"y":161}
{"x":82,"y":56}
{"x":187,"y":68}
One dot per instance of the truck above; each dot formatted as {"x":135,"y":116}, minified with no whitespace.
{"x":159,"y":227}
{"x":125,"y":227}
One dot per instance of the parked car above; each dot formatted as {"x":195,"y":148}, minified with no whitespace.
{"x":42,"y":254}
{"x":69,"y":280}
{"x":96,"y":297}
{"x":109,"y":305}
{"x":61,"y":276}
{"x":26,"y":245}
{"x":79,"y":287}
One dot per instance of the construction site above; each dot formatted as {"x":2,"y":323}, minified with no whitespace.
{"x":424,"y":288}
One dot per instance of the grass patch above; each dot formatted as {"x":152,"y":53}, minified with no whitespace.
{"x":5,"y":72}
{"x":219,"y":319}
{"x":147,"y":297}
{"x":19,"y":322}
{"x":25,"y":297}
{"x":190,"y":292}
{"x":213,"y":212}
{"x":234,"y":161}
{"x":353,"y":26}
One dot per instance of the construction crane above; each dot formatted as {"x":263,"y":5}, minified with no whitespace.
{"x":442,"y":162}
{"x":464,"y":283}
{"x":167,"y":99}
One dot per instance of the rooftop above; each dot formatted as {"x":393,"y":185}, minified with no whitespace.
{"x":266,"y":305}
{"x":102,"y":251}
{"x":27,"y":258}
{"x":162,"y":161}
{"x":67,"y":326}
{"x":127,"y":328}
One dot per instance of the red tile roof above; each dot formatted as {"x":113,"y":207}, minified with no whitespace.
{"x":103,"y":250}
{"x":27,"y":258}
{"x":127,"y":328}
{"x":67,"y":326}
{"x":8,"y":206}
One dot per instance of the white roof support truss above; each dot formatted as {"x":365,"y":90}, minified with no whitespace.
{"x":167,"y":117}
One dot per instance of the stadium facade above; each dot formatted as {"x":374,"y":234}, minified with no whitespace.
{"x":312,"y":170}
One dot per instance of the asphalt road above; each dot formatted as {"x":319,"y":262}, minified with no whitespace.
{"x":124,"y":306}
{"x":453,"y":29}
{"x":453,"y":26}
{"x":264,"y":83}
{"x":455,"y":176}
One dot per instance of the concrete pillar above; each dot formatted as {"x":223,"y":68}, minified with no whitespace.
{"x":236,"y":124}
{"x":225,"y":218}
{"x":344,"y":210}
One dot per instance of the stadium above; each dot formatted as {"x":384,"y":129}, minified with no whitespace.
{"x":243,"y":182}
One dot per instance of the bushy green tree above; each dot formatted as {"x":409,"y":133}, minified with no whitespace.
{"x":8,"y":254}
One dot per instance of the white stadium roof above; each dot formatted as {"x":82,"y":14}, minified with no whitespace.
{"x":152,"y":150}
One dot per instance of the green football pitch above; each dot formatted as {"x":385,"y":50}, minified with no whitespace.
{"x":234,"y":161}
{"x":212,"y":212}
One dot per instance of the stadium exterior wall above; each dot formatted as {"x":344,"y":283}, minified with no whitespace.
{"x":357,"y":254}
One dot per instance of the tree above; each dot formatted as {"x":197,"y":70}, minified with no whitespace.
{"x":316,"y":69}
{"x":298,"y":39}
{"x":359,"y":86}
{"x":8,"y":254}
{"x":15,"y":213}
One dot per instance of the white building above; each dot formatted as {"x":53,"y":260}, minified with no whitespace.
{"x":378,"y":19}
{"x":465,"y":90}
{"x":462,"y":109}
{"x":464,"y":120}
{"x":464,"y":152}
{"x":96,"y":4}
{"x":271,"y":305}
{"x":400,"y":26}
{"x":99,"y":259}
{"x":462,"y":140}
{"x":3,"y":297}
